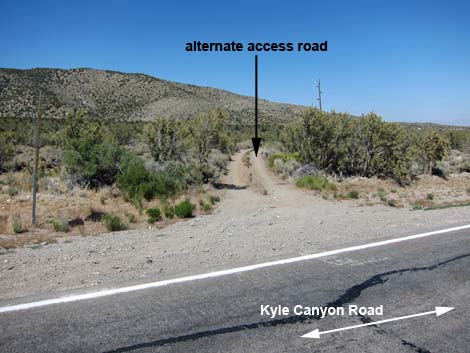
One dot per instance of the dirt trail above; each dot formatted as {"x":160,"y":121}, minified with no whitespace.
{"x":247,"y":170}
{"x":247,"y":227}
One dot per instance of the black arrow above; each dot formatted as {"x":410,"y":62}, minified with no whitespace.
{"x":256,"y":140}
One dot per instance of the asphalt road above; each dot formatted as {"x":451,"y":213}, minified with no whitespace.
{"x":223,"y":314}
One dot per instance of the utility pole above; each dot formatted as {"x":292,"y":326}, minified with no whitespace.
{"x":37,"y":123}
{"x":319,"y":93}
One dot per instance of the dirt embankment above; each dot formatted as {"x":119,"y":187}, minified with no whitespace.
{"x":260,"y":218}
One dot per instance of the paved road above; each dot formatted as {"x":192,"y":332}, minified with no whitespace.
{"x":223,"y":314}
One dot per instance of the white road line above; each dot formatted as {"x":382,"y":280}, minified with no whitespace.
{"x":107,"y":292}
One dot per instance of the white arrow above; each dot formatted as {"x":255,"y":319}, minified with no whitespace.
{"x":440,"y":310}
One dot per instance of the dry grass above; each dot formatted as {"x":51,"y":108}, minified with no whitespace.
{"x":15,"y":241}
{"x":56,"y":202}
{"x":427,"y":191}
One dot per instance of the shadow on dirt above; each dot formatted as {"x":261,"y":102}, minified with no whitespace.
{"x":229,"y":186}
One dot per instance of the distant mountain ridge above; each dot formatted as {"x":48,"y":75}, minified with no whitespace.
{"x":122,"y":96}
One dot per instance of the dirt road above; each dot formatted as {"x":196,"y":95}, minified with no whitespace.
{"x":250,"y":225}
{"x":248,"y":171}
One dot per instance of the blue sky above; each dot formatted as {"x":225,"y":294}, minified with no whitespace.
{"x":405,"y":60}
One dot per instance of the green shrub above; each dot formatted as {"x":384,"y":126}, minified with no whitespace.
{"x":162,"y":186}
{"x":382,"y":194}
{"x":154,"y":215}
{"x":184,"y":209}
{"x":16,"y":225}
{"x":138,"y":183}
{"x":205,"y":132}
{"x":169,"y":211}
{"x":183,"y":175}
{"x":147,"y":190}
{"x":346,"y":146}
{"x":113,"y":223}
{"x":214,"y":199}
{"x":465,"y":167}
{"x":434,"y":147}
{"x":11,"y":180}
{"x":353,"y":194}
{"x":133,"y":176}
{"x":315,"y":183}
{"x":6,"y":151}
{"x":164,"y":136}
{"x":90,"y":156}
{"x":284,"y":157}
{"x":124,"y":132}
{"x":60,"y":225}
{"x":131,"y":217}
{"x":459,"y":140}
{"x":430,"y":197}
{"x":206,"y":207}
{"x":12,"y":191}
{"x":138,"y":203}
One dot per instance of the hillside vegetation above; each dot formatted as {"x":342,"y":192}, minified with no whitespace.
{"x":120,"y":96}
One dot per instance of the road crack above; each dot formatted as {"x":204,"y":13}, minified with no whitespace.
{"x":349,"y":295}
{"x":417,"y":349}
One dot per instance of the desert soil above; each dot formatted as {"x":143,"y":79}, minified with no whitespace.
{"x":260,"y":218}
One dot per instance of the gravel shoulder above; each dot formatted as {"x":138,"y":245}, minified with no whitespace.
{"x":249,"y":226}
